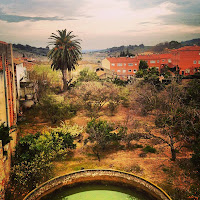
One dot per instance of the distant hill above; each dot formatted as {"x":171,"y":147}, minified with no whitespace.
{"x":191,"y":42}
{"x":113,"y":51}
{"x":161,"y":47}
{"x":23,"y":49}
{"x":133,"y":49}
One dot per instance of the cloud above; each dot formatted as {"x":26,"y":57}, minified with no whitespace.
{"x":99,"y":23}
{"x":41,"y":8}
{"x":17,"y":18}
{"x":186,"y":13}
{"x":183,"y":11}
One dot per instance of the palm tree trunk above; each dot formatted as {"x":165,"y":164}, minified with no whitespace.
{"x":64,"y":78}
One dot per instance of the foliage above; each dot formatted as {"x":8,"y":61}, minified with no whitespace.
{"x":126,"y":54}
{"x":4,"y":135}
{"x":145,"y":98}
{"x":193,"y":93}
{"x":168,"y":119}
{"x":27,"y":48}
{"x":65,"y":54}
{"x":120,"y":82}
{"x":166,"y":45}
{"x":149,"y":149}
{"x":47,"y":80}
{"x":140,"y":73}
{"x":143,"y":65}
{"x":94,"y":95}
{"x":34,"y":156}
{"x":101,"y":135}
{"x":87,"y":75}
{"x":74,"y":130}
{"x":57,"y":110}
{"x":152,"y":75}
{"x":165,"y":71}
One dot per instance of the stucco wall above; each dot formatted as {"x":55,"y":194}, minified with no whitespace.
{"x":2,"y":99}
{"x":98,"y":175}
{"x":105,"y":64}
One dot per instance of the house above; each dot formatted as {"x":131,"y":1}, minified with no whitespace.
{"x":187,"y":59}
{"x":124,"y":67}
{"x":104,"y":73}
{"x":8,"y":110}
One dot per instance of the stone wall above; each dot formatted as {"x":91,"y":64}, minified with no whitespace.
{"x":5,"y":162}
{"x":118,"y":177}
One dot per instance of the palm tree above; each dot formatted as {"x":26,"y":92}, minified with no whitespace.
{"x":65,"y":54}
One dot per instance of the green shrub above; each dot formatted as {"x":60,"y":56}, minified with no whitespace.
{"x":102,"y":135}
{"x":138,"y":146}
{"x":55,"y":110}
{"x":149,"y":149}
{"x":87,"y":75}
{"x":33,"y":158}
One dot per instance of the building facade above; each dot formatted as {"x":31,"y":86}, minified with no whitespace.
{"x":186,"y":58}
{"x":8,"y":92}
{"x":8,"y":110}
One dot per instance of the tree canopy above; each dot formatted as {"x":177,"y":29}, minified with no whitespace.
{"x":65,"y":54}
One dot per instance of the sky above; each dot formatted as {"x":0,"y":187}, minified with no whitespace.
{"x":100,"y":24}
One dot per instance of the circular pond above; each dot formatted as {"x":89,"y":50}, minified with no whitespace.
{"x":96,"y":185}
{"x":96,"y":191}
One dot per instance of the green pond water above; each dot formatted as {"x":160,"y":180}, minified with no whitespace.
{"x":96,"y":192}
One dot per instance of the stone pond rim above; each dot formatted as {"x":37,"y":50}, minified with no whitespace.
{"x":92,"y":175}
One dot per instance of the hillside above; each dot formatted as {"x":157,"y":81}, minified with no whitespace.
{"x":134,"y":49}
{"x":191,"y":42}
{"x":24,"y":49}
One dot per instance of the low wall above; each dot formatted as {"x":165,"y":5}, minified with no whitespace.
{"x":98,"y":175}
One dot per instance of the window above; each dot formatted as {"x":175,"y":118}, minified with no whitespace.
{"x":152,"y":61}
{"x":135,"y":63}
{"x":124,"y":71}
{"x":158,"y":61}
{"x":130,"y":64}
{"x":163,"y":60}
{"x":135,"y":70}
{"x":119,"y":64}
{"x":113,"y":64}
{"x":124,"y":64}
{"x":169,"y":60}
{"x":129,"y":70}
{"x":194,"y":62}
{"x":199,"y":62}
{"x":118,"y":70}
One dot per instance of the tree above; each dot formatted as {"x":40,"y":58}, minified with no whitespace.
{"x":34,"y":156}
{"x":94,"y":95}
{"x":174,"y":45}
{"x":152,"y":76}
{"x":65,"y":54}
{"x":143,"y":65}
{"x":169,"y":120}
{"x":87,"y":75}
{"x":101,"y":135}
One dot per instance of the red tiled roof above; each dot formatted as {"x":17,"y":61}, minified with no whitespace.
{"x":1,"y":42}
{"x":153,"y":56}
{"x":122,"y":59}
